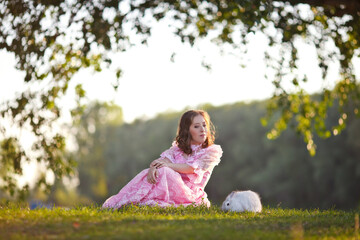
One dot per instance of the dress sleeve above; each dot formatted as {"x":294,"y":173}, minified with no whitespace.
{"x":169,"y":153}
{"x":205,"y":162}
{"x":211,"y":158}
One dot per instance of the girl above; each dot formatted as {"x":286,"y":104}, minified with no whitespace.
{"x":181,"y":173}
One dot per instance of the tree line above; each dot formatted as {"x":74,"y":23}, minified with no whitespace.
{"x":111,"y":152}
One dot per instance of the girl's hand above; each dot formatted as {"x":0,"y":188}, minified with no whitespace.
{"x":159,"y":163}
{"x":152,"y":175}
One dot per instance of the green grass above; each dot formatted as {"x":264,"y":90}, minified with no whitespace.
{"x":135,"y":222}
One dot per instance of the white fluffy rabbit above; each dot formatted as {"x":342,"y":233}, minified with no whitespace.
{"x":240,"y":201}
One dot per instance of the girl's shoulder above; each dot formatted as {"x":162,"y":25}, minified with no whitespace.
{"x":215,"y":149}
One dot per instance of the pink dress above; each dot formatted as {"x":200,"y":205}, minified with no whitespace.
{"x":172,"y":188}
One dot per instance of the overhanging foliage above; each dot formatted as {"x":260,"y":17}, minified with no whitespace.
{"x":53,"y":40}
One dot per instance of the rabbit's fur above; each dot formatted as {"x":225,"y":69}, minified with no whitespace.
{"x":240,"y":201}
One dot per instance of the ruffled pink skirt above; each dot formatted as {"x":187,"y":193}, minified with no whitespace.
{"x":171,"y":189}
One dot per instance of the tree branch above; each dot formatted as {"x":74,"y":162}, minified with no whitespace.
{"x":341,"y":7}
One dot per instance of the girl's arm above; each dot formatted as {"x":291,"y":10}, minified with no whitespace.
{"x":178,"y":167}
{"x":159,"y":161}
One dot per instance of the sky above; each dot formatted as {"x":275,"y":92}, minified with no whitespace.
{"x":152,"y":84}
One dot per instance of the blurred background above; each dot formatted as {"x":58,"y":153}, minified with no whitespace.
{"x":112,"y":152}
{"x":92,"y":91}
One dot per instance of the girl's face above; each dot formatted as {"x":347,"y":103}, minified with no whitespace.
{"x":198,"y":130}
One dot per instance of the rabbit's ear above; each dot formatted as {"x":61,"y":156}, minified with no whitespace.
{"x":232,"y":194}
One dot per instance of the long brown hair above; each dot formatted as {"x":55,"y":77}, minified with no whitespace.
{"x":183,"y":137}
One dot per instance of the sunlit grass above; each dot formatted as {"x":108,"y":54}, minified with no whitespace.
{"x":134,"y":222}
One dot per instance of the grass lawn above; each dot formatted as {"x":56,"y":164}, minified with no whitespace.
{"x":135,"y":222}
